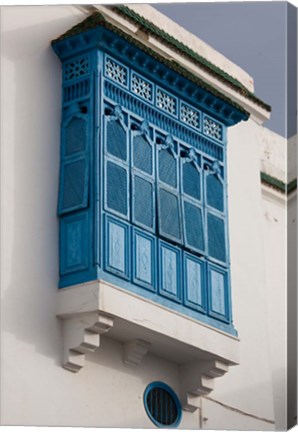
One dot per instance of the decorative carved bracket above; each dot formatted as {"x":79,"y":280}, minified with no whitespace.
{"x":81,"y":335}
{"x":197,"y":379}
{"x":118,"y":113}
{"x":134,"y":352}
{"x":144,"y":128}
{"x":168,"y":143}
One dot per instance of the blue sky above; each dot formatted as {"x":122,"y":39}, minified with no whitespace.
{"x":253,"y":35}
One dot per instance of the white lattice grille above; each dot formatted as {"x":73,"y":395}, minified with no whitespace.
{"x":190,"y":116}
{"x":141,"y":87}
{"x":212,"y":128}
{"x":165,"y":101}
{"x":115,"y":71}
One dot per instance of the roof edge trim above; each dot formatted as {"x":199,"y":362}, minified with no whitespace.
{"x":179,"y":47}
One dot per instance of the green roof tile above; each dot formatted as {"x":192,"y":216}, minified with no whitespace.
{"x":96,"y":19}
{"x":277,"y":184}
{"x":183,"y":49}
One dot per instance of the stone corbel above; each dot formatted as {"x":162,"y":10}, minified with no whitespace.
{"x":197,"y":379}
{"x":134,"y":351}
{"x":81,"y":334}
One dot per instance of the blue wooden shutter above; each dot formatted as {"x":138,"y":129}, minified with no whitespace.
{"x":169,"y":214}
{"x":143,"y":203}
{"x":214,"y":191}
{"x":74,"y":177}
{"x":116,"y":164}
{"x":142,"y":154}
{"x":192,"y":201}
{"x":116,"y":140}
{"x":169,"y":206}
{"x":143,"y":193}
{"x":216,"y":218}
{"x":116,"y":187}
{"x":191,"y":179}
{"x":216,"y":237}
{"x":167,"y":165}
{"x":193,"y":220}
{"x":75,"y":136}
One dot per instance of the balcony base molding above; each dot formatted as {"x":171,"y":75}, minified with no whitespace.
{"x":91,"y":310}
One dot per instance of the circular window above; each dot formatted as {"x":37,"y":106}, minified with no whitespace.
{"x":162,"y":405}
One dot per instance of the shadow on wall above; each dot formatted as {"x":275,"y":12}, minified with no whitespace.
{"x":33,"y":126}
{"x":243,"y":408}
{"x":292,"y":306}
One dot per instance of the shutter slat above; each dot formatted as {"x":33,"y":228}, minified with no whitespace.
{"x":216,"y":237}
{"x":75,"y":136}
{"x":116,"y":188}
{"x":167,"y":168}
{"x":193,"y":226}
{"x":215,"y":196}
{"x":169,"y":214}
{"x":116,"y":140}
{"x":191,"y":181}
{"x":143,"y":204}
{"x":142,"y":154}
{"x":74,"y":185}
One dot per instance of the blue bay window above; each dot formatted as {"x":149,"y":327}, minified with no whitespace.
{"x":143,"y":180}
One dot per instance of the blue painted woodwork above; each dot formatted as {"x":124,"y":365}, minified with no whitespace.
{"x":141,"y":87}
{"x":144,"y":259}
{"x":74,"y":248}
{"x":190,"y":115}
{"x":166,"y":101}
{"x":169,"y":271}
{"x":142,"y":197}
{"x":218,"y":293}
{"x":117,"y":238}
{"x":162,"y":405}
{"x":195,"y":282}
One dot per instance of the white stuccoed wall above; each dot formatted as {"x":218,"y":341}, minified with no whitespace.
{"x":247,"y":387}
{"x":35,"y":389}
{"x":278,"y":159}
{"x":275,"y":237}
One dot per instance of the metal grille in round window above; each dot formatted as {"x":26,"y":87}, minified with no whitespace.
{"x":162,"y":405}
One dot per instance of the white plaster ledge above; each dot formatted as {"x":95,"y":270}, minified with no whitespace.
{"x":90,"y":310}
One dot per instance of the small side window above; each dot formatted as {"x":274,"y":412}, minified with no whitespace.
{"x":162,"y":405}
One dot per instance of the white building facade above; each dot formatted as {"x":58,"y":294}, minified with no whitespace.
{"x":84,"y":353}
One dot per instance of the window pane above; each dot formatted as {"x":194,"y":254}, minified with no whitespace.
{"x":215,"y":192}
{"x":216,"y":237}
{"x":169,"y":215}
{"x":116,"y":140}
{"x":193,"y":226}
{"x":191,"y":181}
{"x":116,"y":188}
{"x":142,"y":154}
{"x":143,"y":202}
{"x":167,"y":168}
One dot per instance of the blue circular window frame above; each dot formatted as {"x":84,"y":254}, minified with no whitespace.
{"x":161,"y":385}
